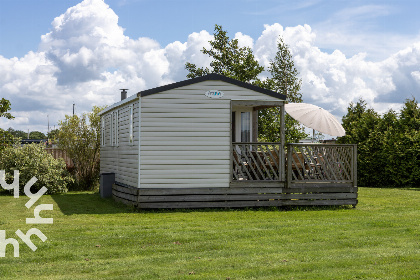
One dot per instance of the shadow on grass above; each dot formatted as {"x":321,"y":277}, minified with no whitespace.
{"x":74,"y":203}
{"x":88,"y":203}
{"x":3,"y":192}
{"x":253,"y":209}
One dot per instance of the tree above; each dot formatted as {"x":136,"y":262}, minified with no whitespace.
{"x":80,"y":138}
{"x":402,"y":146}
{"x":4,"y":107}
{"x":360,"y":124}
{"x":228,"y":59}
{"x":17,"y":133}
{"x":388,"y":145}
{"x":240,"y":64}
{"x":284,"y":79}
{"x":6,"y":139}
{"x":37,"y":135}
{"x":53,"y":134}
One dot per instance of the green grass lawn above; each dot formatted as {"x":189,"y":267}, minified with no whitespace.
{"x":93,"y":238}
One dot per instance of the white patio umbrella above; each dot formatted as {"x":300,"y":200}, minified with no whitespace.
{"x":316,"y":118}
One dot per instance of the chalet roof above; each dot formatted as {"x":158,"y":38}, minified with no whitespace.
{"x":211,"y":77}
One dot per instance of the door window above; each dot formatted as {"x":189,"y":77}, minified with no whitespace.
{"x":245,"y":126}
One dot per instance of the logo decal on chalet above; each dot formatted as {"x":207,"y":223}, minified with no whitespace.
{"x":214,"y":94}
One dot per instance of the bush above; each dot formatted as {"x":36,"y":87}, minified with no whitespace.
{"x":388,"y":145}
{"x":80,"y":138}
{"x":6,"y":139}
{"x":32,"y":160}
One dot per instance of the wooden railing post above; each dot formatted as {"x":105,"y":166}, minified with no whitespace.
{"x":282,"y":159}
{"x":289,"y":165}
{"x":355,"y":165}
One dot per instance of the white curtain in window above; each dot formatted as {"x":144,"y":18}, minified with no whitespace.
{"x":245,"y":126}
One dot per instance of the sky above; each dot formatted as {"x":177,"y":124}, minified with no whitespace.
{"x":56,"y":53}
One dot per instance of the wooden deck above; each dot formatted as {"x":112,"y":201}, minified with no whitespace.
{"x":328,"y":194}
{"x":316,"y":174}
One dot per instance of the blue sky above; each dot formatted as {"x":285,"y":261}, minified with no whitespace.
{"x":24,"y":21}
{"x":54,"y":53}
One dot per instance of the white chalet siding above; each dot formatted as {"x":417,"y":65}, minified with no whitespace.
{"x":185,"y":136}
{"x":121,"y":155}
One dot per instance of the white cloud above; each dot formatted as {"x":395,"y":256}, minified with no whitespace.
{"x":244,"y":40}
{"x":332,"y":80}
{"x":416,"y":76}
{"x":86,"y":58}
{"x":179,"y":53}
{"x":266,"y":45}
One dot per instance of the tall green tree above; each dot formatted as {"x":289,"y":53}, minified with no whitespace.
{"x":53,"y":134}
{"x":4,"y":107}
{"x":388,"y":145}
{"x":228,"y":59}
{"x":239,"y":63}
{"x":284,"y":79}
{"x":6,"y":139}
{"x":360,"y":124}
{"x":403,"y":146}
{"x":37,"y":135}
{"x":18,"y":133}
{"x":80,"y":138}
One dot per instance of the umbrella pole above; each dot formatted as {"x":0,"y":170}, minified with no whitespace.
{"x":313,"y":135}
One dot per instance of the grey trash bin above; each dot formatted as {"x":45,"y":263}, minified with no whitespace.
{"x":105,"y":184}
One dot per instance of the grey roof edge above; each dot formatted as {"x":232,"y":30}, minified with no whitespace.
{"x":211,"y":77}
{"x":118,"y":104}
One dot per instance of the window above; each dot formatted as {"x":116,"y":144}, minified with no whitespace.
{"x":116,"y":129}
{"x":245,"y":126}
{"x":102,"y":131}
{"x":111,"y":130}
{"x":242,"y":124}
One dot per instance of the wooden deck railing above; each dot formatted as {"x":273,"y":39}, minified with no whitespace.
{"x":303,"y":163}
{"x":321,"y":163}
{"x":257,"y":161}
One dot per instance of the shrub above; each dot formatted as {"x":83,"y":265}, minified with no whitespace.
{"x":32,"y":160}
{"x":80,"y":138}
{"x":388,"y":145}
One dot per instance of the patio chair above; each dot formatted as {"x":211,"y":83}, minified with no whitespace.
{"x":300,"y":167}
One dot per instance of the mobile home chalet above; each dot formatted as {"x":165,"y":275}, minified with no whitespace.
{"x":193,"y":144}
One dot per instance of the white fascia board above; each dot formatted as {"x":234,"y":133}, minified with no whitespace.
{"x":118,"y":104}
